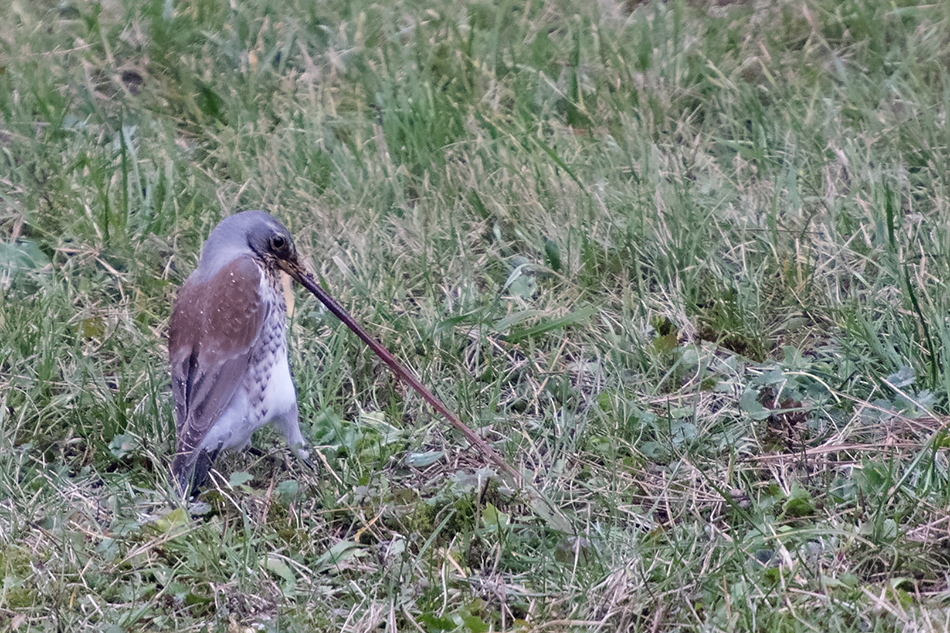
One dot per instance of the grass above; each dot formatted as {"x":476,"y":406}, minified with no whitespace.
{"x":684,"y":264}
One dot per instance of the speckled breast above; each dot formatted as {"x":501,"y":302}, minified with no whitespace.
{"x":271,"y":349}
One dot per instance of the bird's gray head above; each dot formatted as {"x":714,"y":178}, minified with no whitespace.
{"x":252,"y":233}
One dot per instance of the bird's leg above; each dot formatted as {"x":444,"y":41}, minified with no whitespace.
{"x":289,"y":425}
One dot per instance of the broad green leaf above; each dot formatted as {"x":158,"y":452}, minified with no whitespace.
{"x":287,"y":490}
{"x":749,"y":403}
{"x":421,"y":460}
{"x":239,"y":479}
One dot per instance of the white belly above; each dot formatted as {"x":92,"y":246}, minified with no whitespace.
{"x":234,"y":428}
{"x":280,"y":397}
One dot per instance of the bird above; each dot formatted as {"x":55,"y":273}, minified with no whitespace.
{"x":227,"y":346}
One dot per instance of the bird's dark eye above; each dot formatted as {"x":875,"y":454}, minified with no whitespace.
{"x":278,"y":242}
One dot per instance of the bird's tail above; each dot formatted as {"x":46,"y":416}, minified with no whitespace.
{"x":191,"y":471}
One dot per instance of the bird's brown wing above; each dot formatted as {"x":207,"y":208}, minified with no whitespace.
{"x":211,"y":335}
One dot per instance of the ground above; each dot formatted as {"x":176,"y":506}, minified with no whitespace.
{"x":683,"y":264}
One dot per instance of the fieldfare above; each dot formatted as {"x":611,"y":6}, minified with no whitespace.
{"x":228,"y":347}
{"x":228,"y":350}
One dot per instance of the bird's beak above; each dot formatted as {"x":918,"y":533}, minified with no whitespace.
{"x":296,"y":271}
